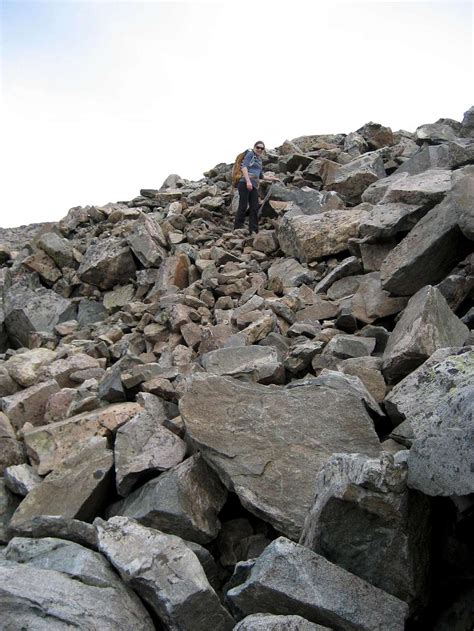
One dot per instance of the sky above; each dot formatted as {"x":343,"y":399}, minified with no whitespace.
{"x":99,"y":99}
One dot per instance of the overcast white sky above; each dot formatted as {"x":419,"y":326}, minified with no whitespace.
{"x":100,"y":99}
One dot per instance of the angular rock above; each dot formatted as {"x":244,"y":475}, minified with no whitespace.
{"x":29,"y":405}
{"x":368,"y":369}
{"x":290,"y":272}
{"x":351,"y":180}
{"x":347,"y":267}
{"x":11,"y":450}
{"x":376,"y":135}
{"x":366,"y":520}
{"x":440,"y":461}
{"x":89,"y":312}
{"x":418,"y":394}
{"x":40,"y":262}
{"x":26,"y":368}
{"x":428,"y":187}
{"x":429,"y":252}
{"x":258,"y":437}
{"x":142,"y":447}
{"x":427,"y":324}
{"x":184,"y":501}
{"x":21,"y":479}
{"x":49,"y":445}
{"x":308,"y":200}
{"x":7,"y":385}
{"x":312,"y":238}
{"x":289,"y":578}
{"x":147,"y":241}
{"x":88,"y":472}
{"x":61,"y":369}
{"x":346,"y":346}
{"x":249,"y":363}
{"x":165,"y":573}
{"x":29,"y":311}
{"x":386,"y":220}
{"x":370,"y":302}
{"x":8,"y":505}
{"x":174,"y":272}
{"x":119,"y":297}
{"x":434,"y":133}
{"x":58,"y":248}
{"x":106,"y":264}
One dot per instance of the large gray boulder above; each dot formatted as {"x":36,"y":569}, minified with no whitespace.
{"x":184,"y":501}
{"x":366,"y":520}
{"x":164,"y":571}
{"x":29,"y":311}
{"x":419,"y":393}
{"x":308,"y":200}
{"x":289,"y":578}
{"x":88,"y":473}
{"x":147,"y":241}
{"x":59,"y":249}
{"x":449,"y":155}
{"x":440,"y":460}
{"x":426,"y":188}
{"x":249,"y":363}
{"x":144,"y":447}
{"x":434,"y":246}
{"x":350,"y":180}
{"x":312,"y":238}
{"x":426,"y":324}
{"x":386,"y":220}
{"x":50,"y":584}
{"x":267,"y":443}
{"x":107,"y":263}
{"x":290,"y":272}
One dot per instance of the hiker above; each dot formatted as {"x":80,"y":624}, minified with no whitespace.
{"x":247,"y":186}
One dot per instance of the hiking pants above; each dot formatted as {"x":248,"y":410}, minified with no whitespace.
{"x":250,"y":199}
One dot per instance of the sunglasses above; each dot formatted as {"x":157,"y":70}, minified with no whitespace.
{"x":259,"y":147}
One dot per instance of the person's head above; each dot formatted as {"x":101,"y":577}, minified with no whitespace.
{"x":259,"y":147}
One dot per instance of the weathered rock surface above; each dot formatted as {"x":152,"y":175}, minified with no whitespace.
{"x":248,"y":363}
{"x":184,"y":502}
{"x":11,"y":450}
{"x":48,"y":599}
{"x":50,"y":445}
{"x":431,"y":249}
{"x":312,"y":238}
{"x":365,"y":519}
{"x":165,"y":573}
{"x":29,"y":311}
{"x":289,"y":578}
{"x":440,"y":461}
{"x":29,"y":405}
{"x":426,"y":325}
{"x":26,"y":368}
{"x":143,"y":446}
{"x":267,"y":443}
{"x":88,"y":473}
{"x":106,"y":264}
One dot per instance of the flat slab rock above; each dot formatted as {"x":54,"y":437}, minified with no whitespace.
{"x":288,"y":578}
{"x":268,"y":443}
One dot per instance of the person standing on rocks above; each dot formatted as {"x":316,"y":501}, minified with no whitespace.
{"x":252,"y":173}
